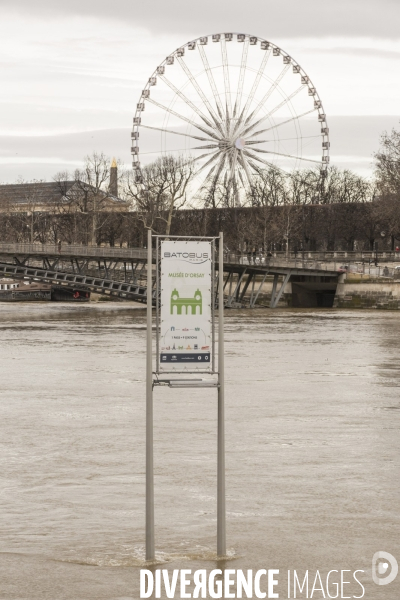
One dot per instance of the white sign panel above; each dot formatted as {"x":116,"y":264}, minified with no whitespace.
{"x":185,"y":341}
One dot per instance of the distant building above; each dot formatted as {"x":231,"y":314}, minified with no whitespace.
{"x":62,"y":196}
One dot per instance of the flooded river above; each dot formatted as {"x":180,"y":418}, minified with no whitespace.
{"x":312,"y":450}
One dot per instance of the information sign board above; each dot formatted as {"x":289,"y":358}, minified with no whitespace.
{"x":185,"y":337}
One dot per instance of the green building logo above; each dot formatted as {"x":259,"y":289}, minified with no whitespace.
{"x":189,"y":304}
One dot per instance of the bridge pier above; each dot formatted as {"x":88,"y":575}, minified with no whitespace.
{"x":275,"y":297}
{"x":236,"y":293}
{"x":250,"y":278}
{"x":254,"y":299}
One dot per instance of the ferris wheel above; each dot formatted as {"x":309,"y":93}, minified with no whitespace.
{"x":232,"y":106}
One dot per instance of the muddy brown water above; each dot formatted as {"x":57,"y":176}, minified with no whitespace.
{"x":312,"y":450}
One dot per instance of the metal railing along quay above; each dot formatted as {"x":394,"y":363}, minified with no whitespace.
{"x":313,"y":264}
{"x":374,"y":271}
{"x":342,"y":257}
{"x":331,"y":256}
{"x":266,"y":262}
{"x":73,"y":250}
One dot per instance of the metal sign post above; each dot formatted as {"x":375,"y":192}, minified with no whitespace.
{"x":150,"y":552}
{"x":185,"y":297}
{"x":221,"y":519}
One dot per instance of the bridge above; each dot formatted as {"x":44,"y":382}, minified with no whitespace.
{"x":122,"y":272}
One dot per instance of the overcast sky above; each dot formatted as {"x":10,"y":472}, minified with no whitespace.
{"x":72,"y":71}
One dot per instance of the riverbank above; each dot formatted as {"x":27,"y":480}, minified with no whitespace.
{"x":352,"y":291}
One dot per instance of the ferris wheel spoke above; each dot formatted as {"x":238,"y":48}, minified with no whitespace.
{"x":206,"y":146}
{"x":230,"y":155}
{"x":200,"y":93}
{"x":285,"y":100}
{"x":214,"y":156}
{"x":283,"y":122}
{"x":228,"y":100}
{"x":303,"y":137}
{"x":172,"y":112}
{"x":250,"y":142}
{"x":196,"y":194}
{"x":255,"y":157}
{"x":243,"y":162}
{"x":195,"y":137}
{"x":232,"y":168}
{"x":254,"y":88}
{"x":234,"y":162}
{"x":241,"y":179}
{"x":269,"y":92}
{"x":271,"y":112}
{"x":211,"y":80}
{"x":209,"y":176}
{"x":220,"y":166}
{"x":286,"y":155}
{"x":238,"y":101}
{"x":240,"y":170}
{"x":212,"y":176}
{"x":255,"y":167}
{"x":259,"y":170}
{"x":187,"y":101}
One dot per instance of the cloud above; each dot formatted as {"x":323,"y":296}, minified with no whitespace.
{"x":266,"y":18}
{"x":80,"y":66}
{"x":353,"y":142}
{"x":41,"y":157}
{"x":35,"y":119}
{"x":68,"y":147}
{"x":362,"y":52}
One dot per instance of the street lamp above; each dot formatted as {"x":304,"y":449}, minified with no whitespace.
{"x":383,"y":235}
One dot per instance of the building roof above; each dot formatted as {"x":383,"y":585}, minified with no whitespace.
{"x":46,"y":193}
{"x":41,"y":192}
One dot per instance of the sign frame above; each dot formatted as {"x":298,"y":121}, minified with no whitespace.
{"x":210,"y":369}
{"x":153,"y":297}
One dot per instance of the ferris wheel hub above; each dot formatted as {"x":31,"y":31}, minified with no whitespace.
{"x":240,"y":143}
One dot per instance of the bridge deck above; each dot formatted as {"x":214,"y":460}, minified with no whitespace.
{"x":122,"y":272}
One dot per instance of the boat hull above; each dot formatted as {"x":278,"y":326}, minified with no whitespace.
{"x":25,"y":295}
{"x":63,"y":294}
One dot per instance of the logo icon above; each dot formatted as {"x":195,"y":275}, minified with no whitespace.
{"x":190,"y":305}
{"x":381,"y":561}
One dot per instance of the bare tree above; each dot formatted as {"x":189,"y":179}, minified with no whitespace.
{"x":345,"y":186}
{"x":163,"y":190}
{"x":26,"y":211}
{"x":388,"y":164}
{"x":269,"y":188}
{"x":87,"y":193}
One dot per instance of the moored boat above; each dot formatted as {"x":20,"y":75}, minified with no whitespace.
{"x":24,"y":291}
{"x":61,"y":293}
{"x":28,"y":291}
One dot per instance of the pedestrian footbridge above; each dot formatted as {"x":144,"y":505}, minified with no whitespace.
{"x":122,"y":272}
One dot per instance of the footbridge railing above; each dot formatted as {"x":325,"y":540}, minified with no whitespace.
{"x":268,"y":262}
{"x":73,"y":250}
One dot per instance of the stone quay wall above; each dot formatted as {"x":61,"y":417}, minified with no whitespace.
{"x":368,"y":294}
